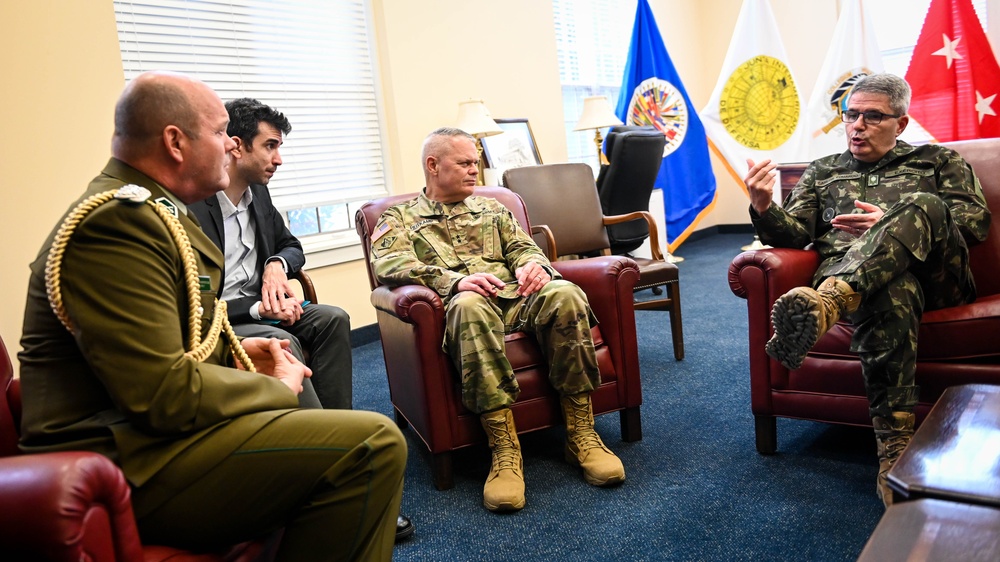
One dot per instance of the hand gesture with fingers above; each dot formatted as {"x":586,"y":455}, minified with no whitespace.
{"x":857,"y":224}
{"x":760,"y":184}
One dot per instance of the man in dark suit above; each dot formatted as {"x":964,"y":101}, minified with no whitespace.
{"x":260,"y":254}
{"x":122,"y":355}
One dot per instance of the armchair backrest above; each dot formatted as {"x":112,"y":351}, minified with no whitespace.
{"x":984,"y":156}
{"x":564,"y":198}
{"x":8,"y":393}
{"x":367,"y":217}
{"x":626,"y":183}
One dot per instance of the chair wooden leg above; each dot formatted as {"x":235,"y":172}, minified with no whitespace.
{"x":766,"y":432}
{"x":674,"y":289}
{"x":441,"y":470}
{"x":631,"y":424}
{"x":400,"y":420}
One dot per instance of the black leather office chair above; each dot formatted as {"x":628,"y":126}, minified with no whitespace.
{"x":625,"y":184}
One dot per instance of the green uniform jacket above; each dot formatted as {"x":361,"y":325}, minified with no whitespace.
{"x":830,"y":185}
{"x":429,"y":243}
{"x":120,"y":384}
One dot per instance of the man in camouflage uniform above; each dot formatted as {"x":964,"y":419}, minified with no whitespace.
{"x":494,"y":280}
{"x":892,"y":223}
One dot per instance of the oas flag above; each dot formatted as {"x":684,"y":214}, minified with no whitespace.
{"x":954,"y":76}
{"x":755,"y":109}
{"x":652,"y":94}
{"x":853,"y":54}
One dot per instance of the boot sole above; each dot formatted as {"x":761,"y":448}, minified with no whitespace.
{"x":504,"y":506}
{"x":613,"y":481}
{"x":610,"y":481}
{"x":795,"y":330}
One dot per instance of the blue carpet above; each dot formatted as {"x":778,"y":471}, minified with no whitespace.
{"x":696,"y":488}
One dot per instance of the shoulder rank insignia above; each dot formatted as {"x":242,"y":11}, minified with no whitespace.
{"x":386,"y":243}
{"x":132,"y":193}
{"x":168,"y":204}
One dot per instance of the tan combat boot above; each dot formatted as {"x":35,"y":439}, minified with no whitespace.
{"x":583,"y":445}
{"x":801,"y":316}
{"x":504,"y":489}
{"x":892,"y":436}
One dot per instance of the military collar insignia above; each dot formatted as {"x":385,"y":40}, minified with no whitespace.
{"x":171,"y":207}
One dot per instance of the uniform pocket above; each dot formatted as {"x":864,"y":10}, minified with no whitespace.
{"x":492,"y":246}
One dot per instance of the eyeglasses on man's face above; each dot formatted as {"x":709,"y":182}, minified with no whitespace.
{"x":871,"y":117}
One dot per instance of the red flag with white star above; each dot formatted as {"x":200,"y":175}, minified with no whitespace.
{"x":954,"y":75}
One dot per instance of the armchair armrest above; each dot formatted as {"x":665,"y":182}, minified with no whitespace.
{"x":409,"y":303}
{"x":602,"y":278}
{"x":66,"y":507}
{"x":411,"y":325}
{"x":654,"y":233}
{"x":771,"y":272}
{"x":760,"y":277}
{"x":608,"y":282}
{"x":308,"y":289}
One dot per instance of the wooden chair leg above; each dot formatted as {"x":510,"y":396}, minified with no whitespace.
{"x":631,"y":424}
{"x":766,"y":433}
{"x":674,"y":290}
{"x":441,"y":470}
{"x":400,"y":420}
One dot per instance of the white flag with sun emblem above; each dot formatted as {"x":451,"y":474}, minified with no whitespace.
{"x":853,"y":54}
{"x":755,"y":109}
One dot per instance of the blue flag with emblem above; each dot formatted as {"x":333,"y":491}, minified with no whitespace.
{"x":652,"y":94}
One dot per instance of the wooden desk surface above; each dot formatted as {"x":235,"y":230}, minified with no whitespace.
{"x":935,"y":530}
{"x":955,"y":454}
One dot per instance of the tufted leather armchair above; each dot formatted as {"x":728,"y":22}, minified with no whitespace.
{"x":958,"y":345}
{"x":423,"y":384}
{"x":73,"y":506}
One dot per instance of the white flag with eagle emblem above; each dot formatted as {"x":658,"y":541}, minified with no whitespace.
{"x":755,"y":109}
{"x":853,"y":55}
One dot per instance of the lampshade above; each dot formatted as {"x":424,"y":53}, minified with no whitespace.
{"x":474,"y":118}
{"x":597,"y":114}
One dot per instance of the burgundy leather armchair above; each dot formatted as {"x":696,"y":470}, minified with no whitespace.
{"x":423,"y":385}
{"x":957,"y":345}
{"x":73,"y":506}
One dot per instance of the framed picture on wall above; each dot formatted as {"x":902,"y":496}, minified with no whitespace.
{"x":513,"y":148}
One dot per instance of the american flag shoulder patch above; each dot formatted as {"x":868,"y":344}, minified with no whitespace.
{"x":380,"y":230}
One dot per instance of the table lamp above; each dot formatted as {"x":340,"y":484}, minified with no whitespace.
{"x":474,"y":118}
{"x":597,"y":115}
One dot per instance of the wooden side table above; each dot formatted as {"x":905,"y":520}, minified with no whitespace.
{"x":955,"y":454}
{"x":935,"y":530}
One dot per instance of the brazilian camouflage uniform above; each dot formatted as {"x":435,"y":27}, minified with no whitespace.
{"x":436,"y":245}
{"x":914,"y":258}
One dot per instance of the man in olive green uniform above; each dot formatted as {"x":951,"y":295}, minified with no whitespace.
{"x":892,"y":224}
{"x":493,"y":280}
{"x":214,"y":455}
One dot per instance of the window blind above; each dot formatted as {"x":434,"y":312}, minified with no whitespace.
{"x":310,"y":59}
